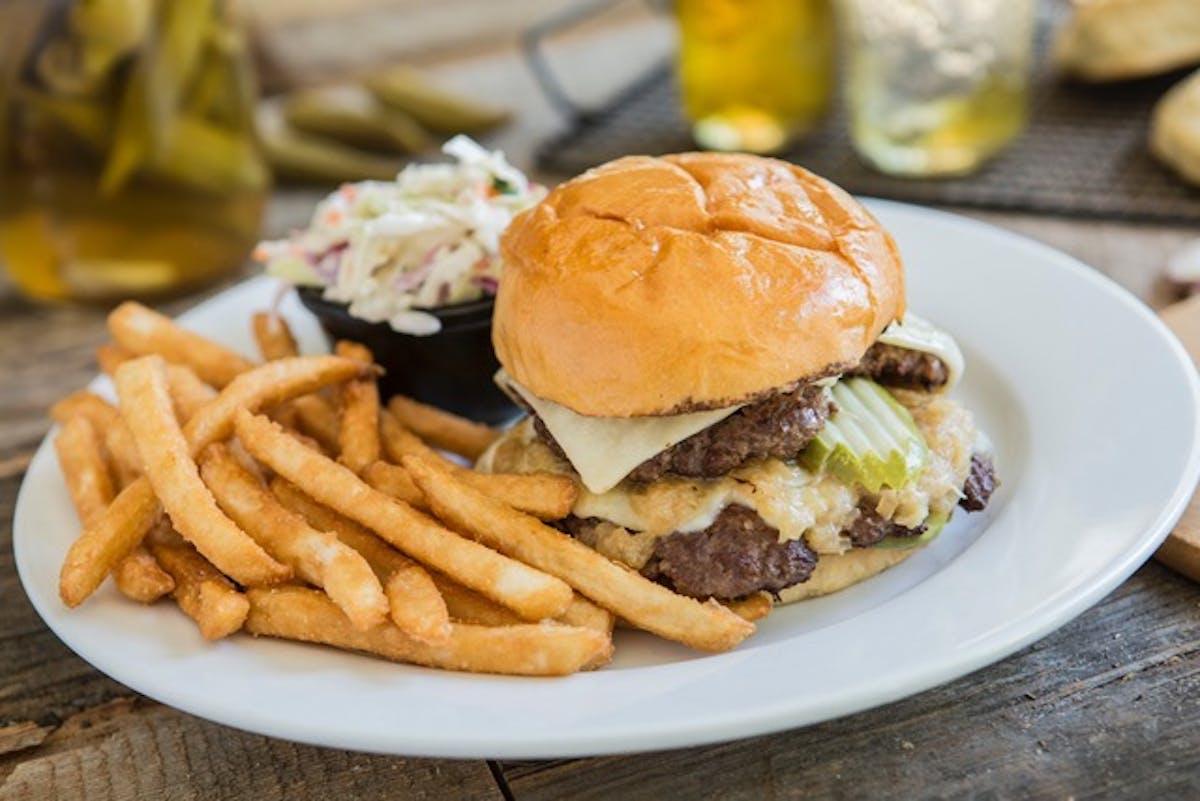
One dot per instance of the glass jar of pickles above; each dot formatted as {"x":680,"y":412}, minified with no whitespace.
{"x":754,"y":74}
{"x":128,"y":160}
{"x":936,"y":87}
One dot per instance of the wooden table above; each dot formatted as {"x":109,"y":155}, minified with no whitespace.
{"x":1108,"y":706}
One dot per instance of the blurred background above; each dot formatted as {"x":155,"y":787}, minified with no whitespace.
{"x":146,"y":145}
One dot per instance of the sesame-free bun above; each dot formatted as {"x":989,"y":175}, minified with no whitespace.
{"x":652,"y":286}
{"x":836,"y":572}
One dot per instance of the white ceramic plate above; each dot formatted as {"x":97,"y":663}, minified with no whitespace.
{"x":1093,"y":409}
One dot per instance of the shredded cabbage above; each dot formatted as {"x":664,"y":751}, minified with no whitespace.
{"x":431,"y":238}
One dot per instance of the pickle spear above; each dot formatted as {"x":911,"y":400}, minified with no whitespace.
{"x":113,"y":26}
{"x":445,"y":112}
{"x":302,"y":157}
{"x":134,"y":137}
{"x":67,"y":67}
{"x":87,"y":120}
{"x":99,"y":34}
{"x":352,"y":116}
{"x":152,"y":94}
{"x":206,"y":156}
{"x":223,"y":90}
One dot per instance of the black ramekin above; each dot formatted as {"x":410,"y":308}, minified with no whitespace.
{"x":451,"y":369}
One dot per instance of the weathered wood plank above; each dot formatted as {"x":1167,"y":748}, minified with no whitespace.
{"x":129,"y":749}
{"x":1107,"y":707}
{"x":41,"y":680}
{"x":47,"y":352}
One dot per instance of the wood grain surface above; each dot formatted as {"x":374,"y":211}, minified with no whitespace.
{"x":1106,"y":707}
{"x":1181,"y":551}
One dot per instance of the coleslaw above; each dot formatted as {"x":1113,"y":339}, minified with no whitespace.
{"x":390,"y":249}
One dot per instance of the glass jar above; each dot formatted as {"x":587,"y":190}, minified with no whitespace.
{"x":128,"y":160}
{"x":754,"y":74}
{"x":936,"y":87}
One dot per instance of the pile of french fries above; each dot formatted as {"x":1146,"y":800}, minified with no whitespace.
{"x":285,"y":499}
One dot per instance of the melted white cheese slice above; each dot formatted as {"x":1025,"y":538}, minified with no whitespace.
{"x":603,"y":450}
{"x":917,"y":333}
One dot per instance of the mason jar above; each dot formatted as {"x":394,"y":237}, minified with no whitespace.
{"x":129,"y":165}
{"x":754,"y":74}
{"x":935,"y":87}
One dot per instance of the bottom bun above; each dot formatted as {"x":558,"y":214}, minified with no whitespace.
{"x":837,"y":571}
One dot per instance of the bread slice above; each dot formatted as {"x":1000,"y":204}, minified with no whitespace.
{"x":1113,"y":40}
{"x":1175,"y":129}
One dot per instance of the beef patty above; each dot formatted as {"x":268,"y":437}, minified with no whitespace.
{"x":740,"y":553}
{"x":900,"y":367}
{"x":776,"y":427}
{"x":980,"y":484}
{"x":869,"y":528}
{"x":735,"y":556}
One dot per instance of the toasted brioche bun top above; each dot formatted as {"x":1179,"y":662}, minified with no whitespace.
{"x":652,"y":286}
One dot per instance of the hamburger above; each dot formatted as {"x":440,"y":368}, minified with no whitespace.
{"x":716,"y":347}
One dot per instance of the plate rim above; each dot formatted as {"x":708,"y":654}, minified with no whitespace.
{"x":734,"y":724}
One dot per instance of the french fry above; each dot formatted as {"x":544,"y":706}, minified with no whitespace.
{"x":543,"y":495}
{"x":83,"y":467}
{"x":468,"y":606}
{"x":398,"y":442}
{"x":210,"y":416}
{"x":752,"y":607}
{"x":394,"y":480}
{"x":274,"y":336}
{"x":588,"y":615}
{"x":441,"y":429}
{"x":464,"y":605}
{"x":546,"y":649}
{"x":285,"y":415}
{"x":706,"y":626}
{"x":97,"y":411}
{"x":529,"y":592}
{"x":358,"y":414}
{"x":143,"y":331}
{"x":276,"y":341}
{"x":106,"y":422}
{"x":316,"y":417}
{"x":163,"y":533}
{"x":127,"y":465}
{"x":203,"y":594}
{"x":188,"y":393}
{"x":304,"y":439}
{"x":169,"y":468}
{"x":318,"y":557}
{"x":264,"y":387}
{"x":348,"y":349}
{"x":413,"y":609}
{"x":105,"y":542}
{"x":141,"y":578}
{"x":383,"y":558}
{"x":138,"y":575}
{"x":110,"y":357}
{"x":415,"y":602}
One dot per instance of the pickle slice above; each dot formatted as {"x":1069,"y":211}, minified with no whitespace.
{"x":871,"y":440}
